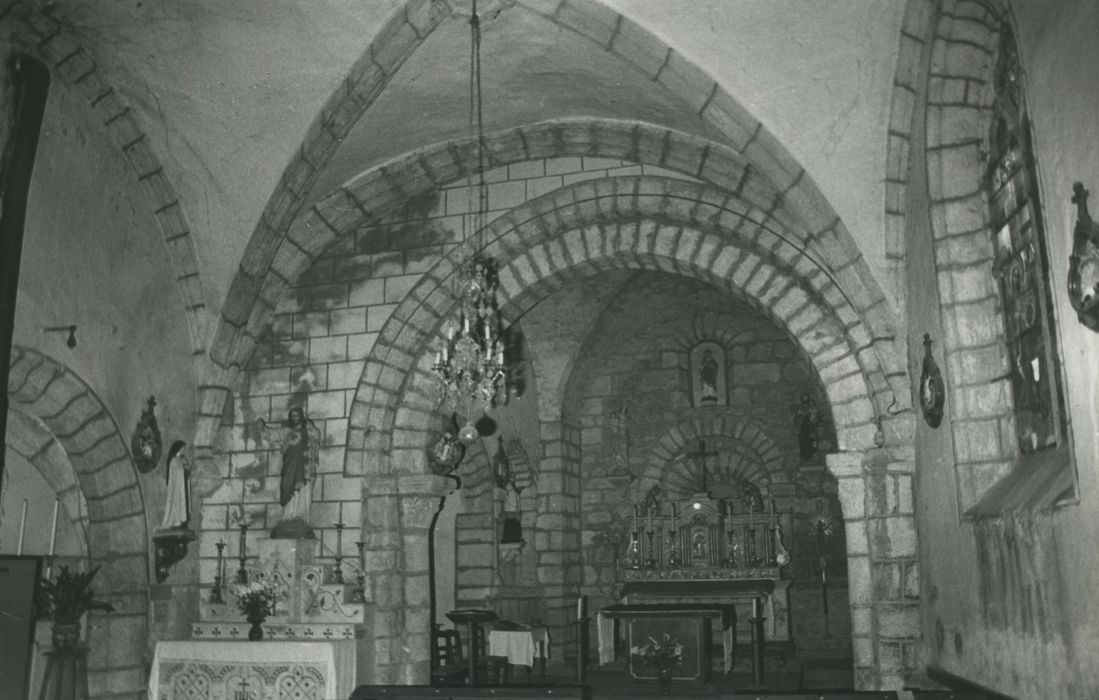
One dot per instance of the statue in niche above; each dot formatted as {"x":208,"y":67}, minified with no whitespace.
{"x":708,"y":385}
{"x":620,"y":442}
{"x":299,"y":445}
{"x":807,"y":419}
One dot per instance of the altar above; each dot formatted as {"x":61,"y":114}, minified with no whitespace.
{"x":689,"y":626}
{"x":314,"y":645}
{"x":228,"y":670}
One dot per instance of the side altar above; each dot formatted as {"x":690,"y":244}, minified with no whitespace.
{"x":723,"y":548}
{"x":315,"y":644}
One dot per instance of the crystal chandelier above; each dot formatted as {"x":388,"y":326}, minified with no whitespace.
{"x":469,"y":360}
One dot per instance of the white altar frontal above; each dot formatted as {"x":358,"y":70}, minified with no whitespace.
{"x":314,"y":646}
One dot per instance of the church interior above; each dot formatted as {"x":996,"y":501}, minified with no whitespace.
{"x":412,"y":342}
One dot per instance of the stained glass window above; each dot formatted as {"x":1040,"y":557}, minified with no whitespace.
{"x":1021,"y":264}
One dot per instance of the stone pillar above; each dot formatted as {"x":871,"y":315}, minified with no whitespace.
{"x":875,"y":492}
{"x":398,"y":514}
{"x":557,"y":530}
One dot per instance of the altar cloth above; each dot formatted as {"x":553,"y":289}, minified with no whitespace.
{"x":227,"y":670}
{"x":521,"y":646}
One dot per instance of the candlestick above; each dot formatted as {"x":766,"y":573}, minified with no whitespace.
{"x":581,"y":607}
{"x":22,"y":527}
{"x":242,"y":573}
{"x":53,"y":530}
{"x":751,"y":513}
{"x":360,"y":592}
{"x":772,"y":514}
{"x":338,"y":573}
{"x":219,"y":573}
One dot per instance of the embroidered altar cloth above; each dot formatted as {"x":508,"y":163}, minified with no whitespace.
{"x":228,"y":670}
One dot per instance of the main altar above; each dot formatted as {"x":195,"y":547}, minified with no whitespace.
{"x":314,"y":645}
{"x":719,"y":555}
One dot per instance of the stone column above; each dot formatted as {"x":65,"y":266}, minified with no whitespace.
{"x":398,"y":515}
{"x":875,"y":491}
{"x":557,"y":530}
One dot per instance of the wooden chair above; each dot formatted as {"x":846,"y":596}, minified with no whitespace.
{"x":447,"y":665}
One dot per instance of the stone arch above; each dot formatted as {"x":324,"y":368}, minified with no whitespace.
{"x":117,"y":539}
{"x":277,"y":252}
{"x":915,"y":44}
{"x":684,"y":435}
{"x":652,"y":223}
{"x":965,"y":39}
{"x":668,"y":225}
{"x":29,"y":437}
{"x":39,"y":33}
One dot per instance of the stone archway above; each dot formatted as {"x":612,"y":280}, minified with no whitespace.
{"x":684,"y":228}
{"x":41,"y":387}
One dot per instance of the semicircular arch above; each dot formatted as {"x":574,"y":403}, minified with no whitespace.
{"x":117,"y":541}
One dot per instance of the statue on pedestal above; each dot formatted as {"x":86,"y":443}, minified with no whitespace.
{"x":299,"y":444}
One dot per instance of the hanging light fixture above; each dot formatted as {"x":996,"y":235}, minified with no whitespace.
{"x":469,"y":360}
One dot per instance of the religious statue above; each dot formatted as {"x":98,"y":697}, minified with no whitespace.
{"x":620,"y":442}
{"x":807,"y":419}
{"x":177,"y":504}
{"x":707,"y":374}
{"x":299,"y":444}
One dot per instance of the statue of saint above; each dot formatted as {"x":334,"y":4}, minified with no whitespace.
{"x":299,"y":444}
{"x":620,"y":442}
{"x":177,"y":503}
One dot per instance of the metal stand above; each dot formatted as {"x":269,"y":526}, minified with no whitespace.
{"x":66,"y":676}
{"x":582,"y":649}
{"x":756,"y":622}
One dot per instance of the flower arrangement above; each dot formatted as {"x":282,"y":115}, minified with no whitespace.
{"x":256,"y":599}
{"x":665,"y":655}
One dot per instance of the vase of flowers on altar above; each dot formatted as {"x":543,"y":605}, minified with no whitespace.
{"x":256,"y":600}
{"x":664,"y":656}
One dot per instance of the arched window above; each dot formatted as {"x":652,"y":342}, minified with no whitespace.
{"x":1021,"y":269}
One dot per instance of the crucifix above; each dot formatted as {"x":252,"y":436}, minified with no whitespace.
{"x":699,"y":458}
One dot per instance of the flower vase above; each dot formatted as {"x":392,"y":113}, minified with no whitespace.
{"x":255,"y":632}
{"x":664,"y":677}
{"x":66,"y":635}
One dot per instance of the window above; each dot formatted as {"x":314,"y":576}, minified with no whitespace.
{"x":1021,"y":265}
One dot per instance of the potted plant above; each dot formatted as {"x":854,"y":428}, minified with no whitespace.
{"x":64,"y":600}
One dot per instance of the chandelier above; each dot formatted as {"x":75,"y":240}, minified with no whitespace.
{"x":469,"y":360}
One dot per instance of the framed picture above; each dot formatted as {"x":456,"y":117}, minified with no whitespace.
{"x":708,"y":375}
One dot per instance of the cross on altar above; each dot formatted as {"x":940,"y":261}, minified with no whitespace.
{"x":699,"y":458}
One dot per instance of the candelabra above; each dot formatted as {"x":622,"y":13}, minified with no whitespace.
{"x":651,"y":560}
{"x":635,"y":550}
{"x":730,"y":557}
{"x":215,"y":594}
{"x":242,"y":572}
{"x":749,"y":546}
{"x":360,"y":591}
{"x":337,"y":574}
